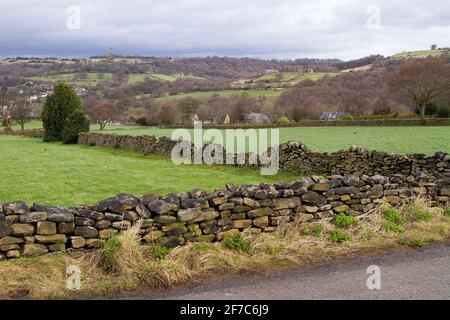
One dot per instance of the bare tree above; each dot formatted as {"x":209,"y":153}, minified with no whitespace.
{"x":21,"y":112}
{"x":103,"y":112}
{"x":6,"y":107}
{"x":5,"y":116}
{"x":424,"y":82}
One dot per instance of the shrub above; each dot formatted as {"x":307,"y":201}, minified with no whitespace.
{"x":142,"y":122}
{"x":392,"y":215}
{"x":431,"y":110}
{"x":159,"y":252}
{"x":297,"y":114}
{"x":443,"y":111}
{"x":313,"y":229}
{"x":74,"y":124}
{"x":108,"y":256}
{"x":347,"y":118}
{"x":344,"y":221}
{"x":382,"y":110}
{"x":416,"y":212}
{"x":339,"y":236}
{"x":57,"y":108}
{"x":236,"y":242}
{"x":283,"y":120}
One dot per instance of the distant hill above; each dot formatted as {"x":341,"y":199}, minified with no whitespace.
{"x":217,"y":67}
{"x":420,"y":54}
{"x":118,"y":77}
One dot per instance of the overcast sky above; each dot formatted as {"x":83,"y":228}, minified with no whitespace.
{"x":343,"y":29}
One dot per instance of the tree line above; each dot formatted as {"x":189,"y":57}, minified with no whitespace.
{"x":418,"y":86}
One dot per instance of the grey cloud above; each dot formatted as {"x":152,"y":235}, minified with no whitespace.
{"x":261,"y":28}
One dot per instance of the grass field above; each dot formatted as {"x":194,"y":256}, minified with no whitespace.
{"x":281,"y":80}
{"x":295,"y":77}
{"x":226,"y":93}
{"x":140,"y":77}
{"x":419,"y":54}
{"x":363,"y":68}
{"x":92,"y":78}
{"x":403,"y":140}
{"x":52,"y":173}
{"x":34,"y":124}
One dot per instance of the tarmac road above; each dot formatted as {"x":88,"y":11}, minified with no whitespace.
{"x":410,"y":274}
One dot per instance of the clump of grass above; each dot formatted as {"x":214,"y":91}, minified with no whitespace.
{"x":339,"y":236}
{"x":391,"y":215}
{"x":123,"y":252}
{"x":413,"y":241}
{"x":344,"y":221}
{"x":272,"y":251}
{"x":447,"y":212}
{"x":159,"y":252}
{"x":236,"y":242}
{"x":416,"y":212}
{"x":164,"y":273}
{"x":108,"y":254}
{"x":313,"y":229}
{"x":393,"y":220}
{"x":394,"y":228}
{"x":365,"y":232}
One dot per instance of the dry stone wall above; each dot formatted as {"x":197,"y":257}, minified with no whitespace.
{"x":144,"y":144}
{"x":297,"y":158}
{"x":198,"y":216}
{"x":33,"y":133}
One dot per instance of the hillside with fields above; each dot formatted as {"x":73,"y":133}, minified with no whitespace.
{"x":146,"y":87}
{"x":173,"y":91}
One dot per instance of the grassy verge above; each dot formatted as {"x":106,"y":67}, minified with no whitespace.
{"x":124,"y":264}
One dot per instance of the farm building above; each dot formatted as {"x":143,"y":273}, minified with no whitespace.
{"x":128,"y":119}
{"x":194,"y":118}
{"x":222,"y":118}
{"x":258,"y":118}
{"x":330,"y":116}
{"x":271,"y":71}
